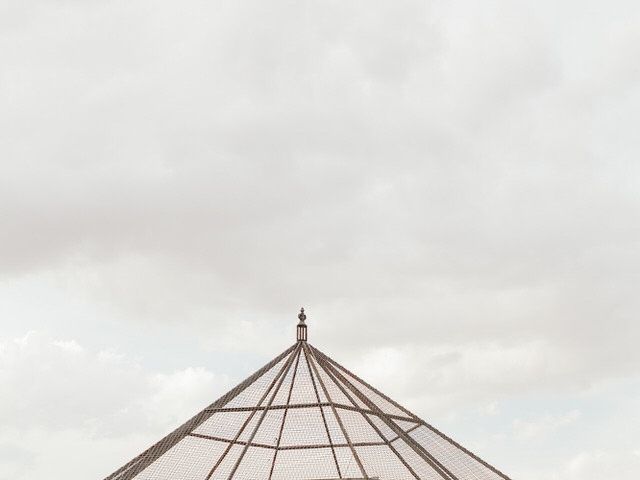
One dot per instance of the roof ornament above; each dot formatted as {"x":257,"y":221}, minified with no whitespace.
{"x":301,"y":332}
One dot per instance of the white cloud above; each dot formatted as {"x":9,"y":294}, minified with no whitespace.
{"x":597,"y":465}
{"x":443,"y":378}
{"x":59,"y":397}
{"x":451,"y":189}
{"x":70,"y":346}
{"x":175,"y":396}
{"x":543,"y":425}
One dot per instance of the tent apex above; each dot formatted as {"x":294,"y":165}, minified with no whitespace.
{"x":301,"y":330}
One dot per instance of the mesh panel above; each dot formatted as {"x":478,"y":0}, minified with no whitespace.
{"x":383,"y":463}
{"x":383,"y":404}
{"x":457,"y":461}
{"x":417,"y":463}
{"x":333,"y":391}
{"x":357,"y":427}
{"x":304,"y":426}
{"x":334,"y":429}
{"x":248,"y":430}
{"x":404,"y":425}
{"x":224,"y":469}
{"x":347,"y":462}
{"x":223,"y":424}
{"x":303,"y":391}
{"x":256,"y":463}
{"x":346,"y":394}
{"x":385,"y":430}
{"x":296,"y":436}
{"x":283,"y":391}
{"x":171,"y":465}
{"x":252,"y":395}
{"x":297,"y":464}
{"x":268,"y":432}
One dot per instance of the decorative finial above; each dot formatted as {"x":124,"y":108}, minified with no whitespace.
{"x":301,"y":331}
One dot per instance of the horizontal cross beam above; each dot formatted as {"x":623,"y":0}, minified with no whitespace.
{"x":309,"y":405}
{"x":290,"y":447}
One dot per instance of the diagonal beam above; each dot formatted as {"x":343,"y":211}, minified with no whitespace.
{"x":415,"y":446}
{"x":264,"y":414}
{"x":415,"y":417}
{"x":311,"y":359}
{"x":246,"y":422}
{"x":417,"y":425}
{"x":284,"y":415}
{"x":324,"y":418}
{"x":151,"y":454}
{"x":374,"y":426}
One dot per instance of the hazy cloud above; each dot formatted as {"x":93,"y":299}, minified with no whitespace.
{"x":452,"y":190}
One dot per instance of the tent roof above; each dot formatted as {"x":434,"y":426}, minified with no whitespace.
{"x":305,"y":417}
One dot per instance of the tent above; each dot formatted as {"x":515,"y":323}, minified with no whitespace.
{"x":303,"y":416}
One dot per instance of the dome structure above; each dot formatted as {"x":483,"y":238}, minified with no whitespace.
{"x":303,"y":416}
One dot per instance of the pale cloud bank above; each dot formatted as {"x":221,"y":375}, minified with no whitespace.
{"x":543,"y":426}
{"x":59,"y":397}
{"x":451,"y":189}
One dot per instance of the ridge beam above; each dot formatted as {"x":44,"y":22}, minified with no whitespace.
{"x":151,"y":454}
{"x":264,"y":412}
{"x":414,"y":416}
{"x":415,"y":446}
{"x":324,"y":418}
{"x":284,"y":415}
{"x":312,"y":361}
{"x":374,"y":426}
{"x":246,"y":422}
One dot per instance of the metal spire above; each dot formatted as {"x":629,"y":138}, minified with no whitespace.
{"x":302,"y":327}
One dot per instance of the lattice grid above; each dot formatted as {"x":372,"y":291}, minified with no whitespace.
{"x":305,"y":417}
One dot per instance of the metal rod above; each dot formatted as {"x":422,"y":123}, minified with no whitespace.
{"x":284,"y":415}
{"x":264,"y":395}
{"x":417,"y":425}
{"x":313,"y":446}
{"x":264,"y":414}
{"x":374,"y":426}
{"x":311,"y":405}
{"x":228,"y":440}
{"x":324,"y":419}
{"x":151,"y":454}
{"x":416,"y":418}
{"x":310,"y":359}
{"x":415,"y":446}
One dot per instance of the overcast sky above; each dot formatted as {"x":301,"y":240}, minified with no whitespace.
{"x":451,"y":189}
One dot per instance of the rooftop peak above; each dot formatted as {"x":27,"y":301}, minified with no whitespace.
{"x":301,"y":331}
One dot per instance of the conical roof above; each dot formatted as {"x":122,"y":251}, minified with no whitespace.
{"x":305,"y":417}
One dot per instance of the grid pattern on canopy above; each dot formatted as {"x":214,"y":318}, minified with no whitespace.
{"x":305,"y":417}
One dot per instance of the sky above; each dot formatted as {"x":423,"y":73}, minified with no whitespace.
{"x":450,"y":189}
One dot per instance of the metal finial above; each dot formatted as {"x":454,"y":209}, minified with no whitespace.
{"x":301,"y":329}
